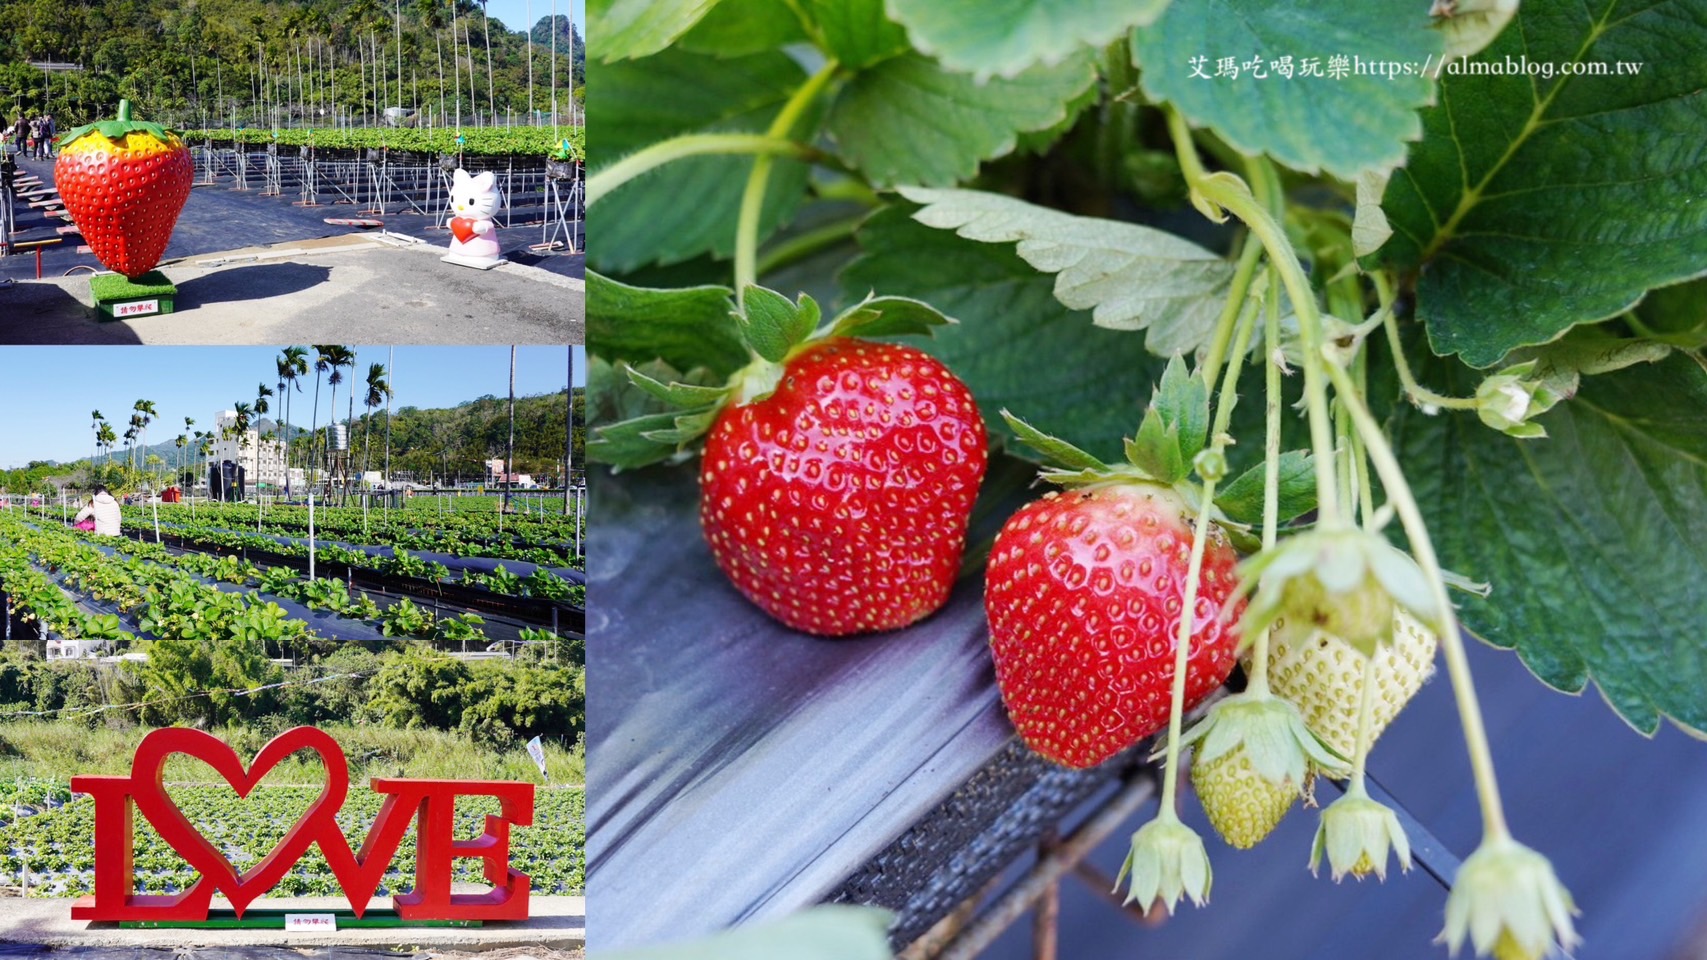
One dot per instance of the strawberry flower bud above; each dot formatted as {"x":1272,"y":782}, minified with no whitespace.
{"x":1355,"y":832}
{"x":1345,"y":582}
{"x":1510,"y":904}
{"x":1508,"y":400}
{"x":1167,"y":861}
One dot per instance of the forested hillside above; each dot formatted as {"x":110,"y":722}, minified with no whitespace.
{"x":266,"y":63}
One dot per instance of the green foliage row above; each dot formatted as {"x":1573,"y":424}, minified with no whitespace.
{"x":480,"y":141}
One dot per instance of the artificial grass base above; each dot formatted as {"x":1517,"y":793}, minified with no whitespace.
{"x":117,"y":296}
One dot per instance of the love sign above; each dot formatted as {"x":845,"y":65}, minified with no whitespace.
{"x":428,"y":804}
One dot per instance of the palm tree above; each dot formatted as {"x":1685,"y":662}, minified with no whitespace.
{"x":393,"y":361}
{"x":378,"y":392}
{"x":146,"y":414}
{"x":510,"y":447}
{"x":182,"y":442}
{"x":105,"y":438}
{"x":322,"y":363}
{"x":130,"y":436}
{"x":337,"y":357}
{"x":292,"y":363}
{"x":262,"y":392}
{"x":95,"y":427}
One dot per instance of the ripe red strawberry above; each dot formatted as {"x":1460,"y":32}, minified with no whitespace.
{"x":124,"y":183}
{"x":838,"y":503}
{"x":1083,"y":594}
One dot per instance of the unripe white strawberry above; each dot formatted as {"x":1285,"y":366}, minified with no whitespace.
{"x":1243,"y":806}
{"x":1323,"y":676}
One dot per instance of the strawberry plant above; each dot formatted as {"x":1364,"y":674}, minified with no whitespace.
{"x":1465,"y":247}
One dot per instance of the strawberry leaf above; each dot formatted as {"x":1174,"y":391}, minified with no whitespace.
{"x":686,"y":328}
{"x":1343,"y":123}
{"x":888,"y":317}
{"x":736,"y":28}
{"x":1594,"y":538}
{"x":772,"y":325}
{"x":1056,"y":451}
{"x":1519,"y":232}
{"x":938,"y":125}
{"x":856,"y":32}
{"x":619,"y":29}
{"x":1005,"y":37}
{"x":1241,"y":500}
{"x":1133,"y":277}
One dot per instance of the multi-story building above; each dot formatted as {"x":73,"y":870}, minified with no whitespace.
{"x":263,"y":461}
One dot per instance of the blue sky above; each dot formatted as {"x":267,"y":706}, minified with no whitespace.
{"x":514,"y":13}
{"x":47,"y":393}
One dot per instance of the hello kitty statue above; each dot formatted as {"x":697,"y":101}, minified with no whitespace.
{"x":474,"y":202}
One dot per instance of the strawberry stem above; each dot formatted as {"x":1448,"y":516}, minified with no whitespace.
{"x":1235,"y":300}
{"x":1451,"y":641}
{"x":1415,"y":392}
{"x":1365,"y":713}
{"x":1232,"y":194}
{"x":753,"y":197}
{"x":691,"y":145}
{"x":1258,"y":680}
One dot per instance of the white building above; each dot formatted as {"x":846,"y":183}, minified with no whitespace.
{"x":262,"y":460}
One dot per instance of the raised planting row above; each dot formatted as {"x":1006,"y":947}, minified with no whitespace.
{"x":157,"y":592}
{"x":483,"y":141}
{"x":542,"y":540}
{"x":54,"y":845}
{"x":540,"y":583}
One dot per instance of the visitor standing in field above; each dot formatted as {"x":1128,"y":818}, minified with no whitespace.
{"x":105,"y":511}
{"x":48,"y":131}
{"x":33,"y":148}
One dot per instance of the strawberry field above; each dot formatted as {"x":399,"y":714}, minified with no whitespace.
{"x":1193,"y":382}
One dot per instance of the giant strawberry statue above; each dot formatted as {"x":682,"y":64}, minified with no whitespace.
{"x":124,"y":183}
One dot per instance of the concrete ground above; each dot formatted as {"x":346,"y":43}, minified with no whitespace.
{"x":350,"y":288}
{"x":556,"y":924}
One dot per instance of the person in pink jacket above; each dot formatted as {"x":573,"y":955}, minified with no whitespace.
{"x":105,"y":511}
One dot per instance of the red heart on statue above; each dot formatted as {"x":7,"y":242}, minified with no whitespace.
{"x":464,"y":229}
{"x":148,"y":773}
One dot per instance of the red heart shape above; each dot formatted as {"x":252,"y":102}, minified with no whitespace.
{"x":148,"y":771}
{"x":464,"y":229}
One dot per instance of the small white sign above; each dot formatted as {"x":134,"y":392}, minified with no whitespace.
{"x":536,"y":750}
{"x":136,"y":308}
{"x":311,"y":923}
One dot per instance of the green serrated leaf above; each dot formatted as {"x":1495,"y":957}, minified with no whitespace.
{"x":937,"y":126}
{"x":676,"y":393}
{"x":685,"y":428}
{"x":738,"y":28}
{"x":888,"y":317}
{"x":621,"y":29}
{"x":687,"y":207}
{"x":1156,"y":450}
{"x":773,"y":325}
{"x":1015,"y":346}
{"x":627,"y":443}
{"x":1132,"y":277}
{"x":687,"y":328}
{"x":1182,"y":400}
{"x":1523,"y":231}
{"x":1341,"y":123}
{"x":1056,"y":451}
{"x":858,"y":33}
{"x":1595,"y":539}
{"x":1241,"y":500}
{"x":1005,"y":37}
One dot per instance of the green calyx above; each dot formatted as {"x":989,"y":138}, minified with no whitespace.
{"x":1271,"y":731}
{"x":1171,"y":446}
{"x":667,"y":410}
{"x":1345,"y":581}
{"x":118,"y":129}
{"x":1167,"y":861}
{"x":1356,"y":833}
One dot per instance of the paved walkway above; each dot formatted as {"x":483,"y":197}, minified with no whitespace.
{"x":351,"y":288}
{"x":557,"y":923}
